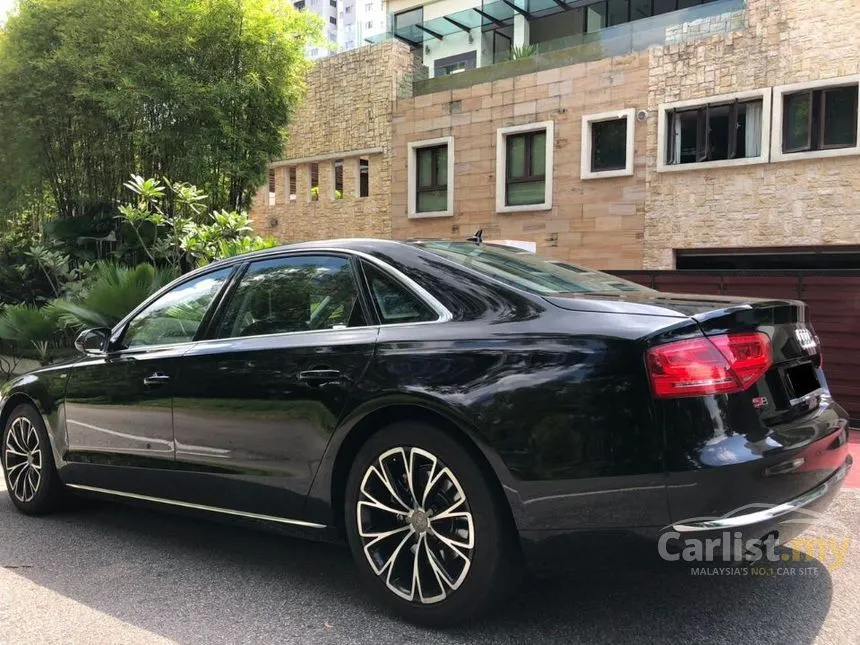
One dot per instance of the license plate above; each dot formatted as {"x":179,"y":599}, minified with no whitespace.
{"x":802,"y":379}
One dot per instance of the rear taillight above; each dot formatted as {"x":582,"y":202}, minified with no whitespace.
{"x":709,"y":365}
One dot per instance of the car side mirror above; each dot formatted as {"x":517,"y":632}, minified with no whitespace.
{"x":92,"y":341}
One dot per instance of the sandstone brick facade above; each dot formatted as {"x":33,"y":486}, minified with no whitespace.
{"x":598,"y":222}
{"x":794,"y":203}
{"x":361,"y":101}
{"x":345,"y":115}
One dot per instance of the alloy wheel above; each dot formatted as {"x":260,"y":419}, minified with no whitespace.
{"x":23,"y":459}
{"x":415,"y":525}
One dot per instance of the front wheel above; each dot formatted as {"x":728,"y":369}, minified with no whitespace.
{"x":429,"y":536}
{"x":28,"y":464}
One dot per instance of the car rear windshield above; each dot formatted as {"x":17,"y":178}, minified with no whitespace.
{"x":529,"y":271}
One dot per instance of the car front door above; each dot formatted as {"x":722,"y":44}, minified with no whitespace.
{"x":118,"y":406}
{"x":256,"y":403}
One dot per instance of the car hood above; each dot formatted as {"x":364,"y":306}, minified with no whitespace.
{"x":657,"y":303}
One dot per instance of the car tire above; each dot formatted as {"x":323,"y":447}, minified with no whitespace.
{"x":441,"y":551}
{"x":28,"y":463}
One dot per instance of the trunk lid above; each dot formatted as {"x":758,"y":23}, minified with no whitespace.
{"x":794,"y":384}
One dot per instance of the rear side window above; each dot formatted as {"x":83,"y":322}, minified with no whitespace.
{"x":393,"y":301}
{"x":299,"y":293}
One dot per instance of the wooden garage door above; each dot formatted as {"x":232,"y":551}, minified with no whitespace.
{"x":834,"y":304}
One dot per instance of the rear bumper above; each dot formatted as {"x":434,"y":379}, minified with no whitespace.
{"x":821,"y":494}
{"x":731,"y":534}
{"x":782,"y":522}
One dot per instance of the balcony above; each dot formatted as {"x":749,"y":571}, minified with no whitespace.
{"x":506,"y":38}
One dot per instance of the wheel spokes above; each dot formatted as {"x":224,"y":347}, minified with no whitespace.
{"x":421,"y":557}
{"x":23,"y":459}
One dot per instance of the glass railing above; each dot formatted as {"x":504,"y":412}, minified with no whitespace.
{"x":694,"y":23}
{"x":666,"y":28}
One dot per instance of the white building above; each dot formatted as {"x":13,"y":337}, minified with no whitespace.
{"x":347,"y":22}
{"x":358,"y":20}
{"x":328,"y":10}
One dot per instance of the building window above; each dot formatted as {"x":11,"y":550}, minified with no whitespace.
{"x":291,"y":177}
{"x":408,"y":18}
{"x":363,"y":177}
{"x":299,"y":5}
{"x":726,"y":130}
{"x":333,"y":3}
{"x":607,"y":144}
{"x":430,"y":180}
{"x":368,"y":6}
{"x":332,"y":20}
{"x":816,"y":119}
{"x":524,"y":167}
{"x":337,"y":168}
{"x":369,"y":24}
{"x":455,"y":64}
{"x":315,"y":182}
{"x":271,"y":187}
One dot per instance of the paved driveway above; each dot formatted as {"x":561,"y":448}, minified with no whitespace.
{"x":114,"y":574}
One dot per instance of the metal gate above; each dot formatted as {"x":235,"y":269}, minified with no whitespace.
{"x":833,"y":299}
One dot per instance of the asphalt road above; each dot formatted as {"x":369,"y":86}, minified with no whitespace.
{"x":109,"y":574}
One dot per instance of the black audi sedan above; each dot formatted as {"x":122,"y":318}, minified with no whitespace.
{"x":450,"y":409}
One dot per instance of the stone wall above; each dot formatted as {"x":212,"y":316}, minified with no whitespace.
{"x":360,"y":103}
{"x":598,"y":222}
{"x":814,"y":202}
{"x":346,"y":114}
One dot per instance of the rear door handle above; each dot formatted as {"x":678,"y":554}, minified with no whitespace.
{"x":157,"y":378}
{"x":319,"y":376}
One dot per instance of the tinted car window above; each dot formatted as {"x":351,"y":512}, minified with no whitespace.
{"x":299,"y":293}
{"x":529,"y":271}
{"x":394,"y":302}
{"x":176,"y":316}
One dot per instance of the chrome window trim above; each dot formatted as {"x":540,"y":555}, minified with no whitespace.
{"x":420,"y":292}
{"x":198,"y":507}
{"x":444,"y":315}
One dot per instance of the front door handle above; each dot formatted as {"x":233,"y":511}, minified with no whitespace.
{"x":320,"y":376}
{"x":156,"y":378}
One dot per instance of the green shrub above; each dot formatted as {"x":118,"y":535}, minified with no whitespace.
{"x":110,"y":294}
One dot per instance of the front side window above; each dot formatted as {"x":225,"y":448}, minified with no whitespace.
{"x":528,"y":271}
{"x":394,"y":302}
{"x":300,"y":293}
{"x":714,"y":132}
{"x":525,"y":168}
{"x":820,"y":119}
{"x":176,"y":316}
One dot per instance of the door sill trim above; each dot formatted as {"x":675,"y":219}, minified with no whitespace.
{"x":197,"y":507}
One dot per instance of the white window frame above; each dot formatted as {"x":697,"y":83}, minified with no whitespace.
{"x":501,"y":166}
{"x":662,"y":131}
{"x":779,"y":92}
{"x":588,"y":140}
{"x":412,"y":183}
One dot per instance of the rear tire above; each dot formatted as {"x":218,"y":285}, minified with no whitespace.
{"x":431,"y":539}
{"x":28,"y":463}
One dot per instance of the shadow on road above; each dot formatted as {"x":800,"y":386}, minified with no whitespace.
{"x":200,"y":582}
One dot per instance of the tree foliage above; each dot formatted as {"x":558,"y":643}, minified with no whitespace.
{"x":200,"y":89}
{"x":175,"y":227}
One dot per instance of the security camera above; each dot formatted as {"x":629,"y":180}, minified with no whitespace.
{"x":641,"y":115}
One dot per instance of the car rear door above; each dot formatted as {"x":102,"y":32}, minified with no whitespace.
{"x":256,"y":403}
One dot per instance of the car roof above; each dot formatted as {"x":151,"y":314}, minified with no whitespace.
{"x":365,"y":245}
